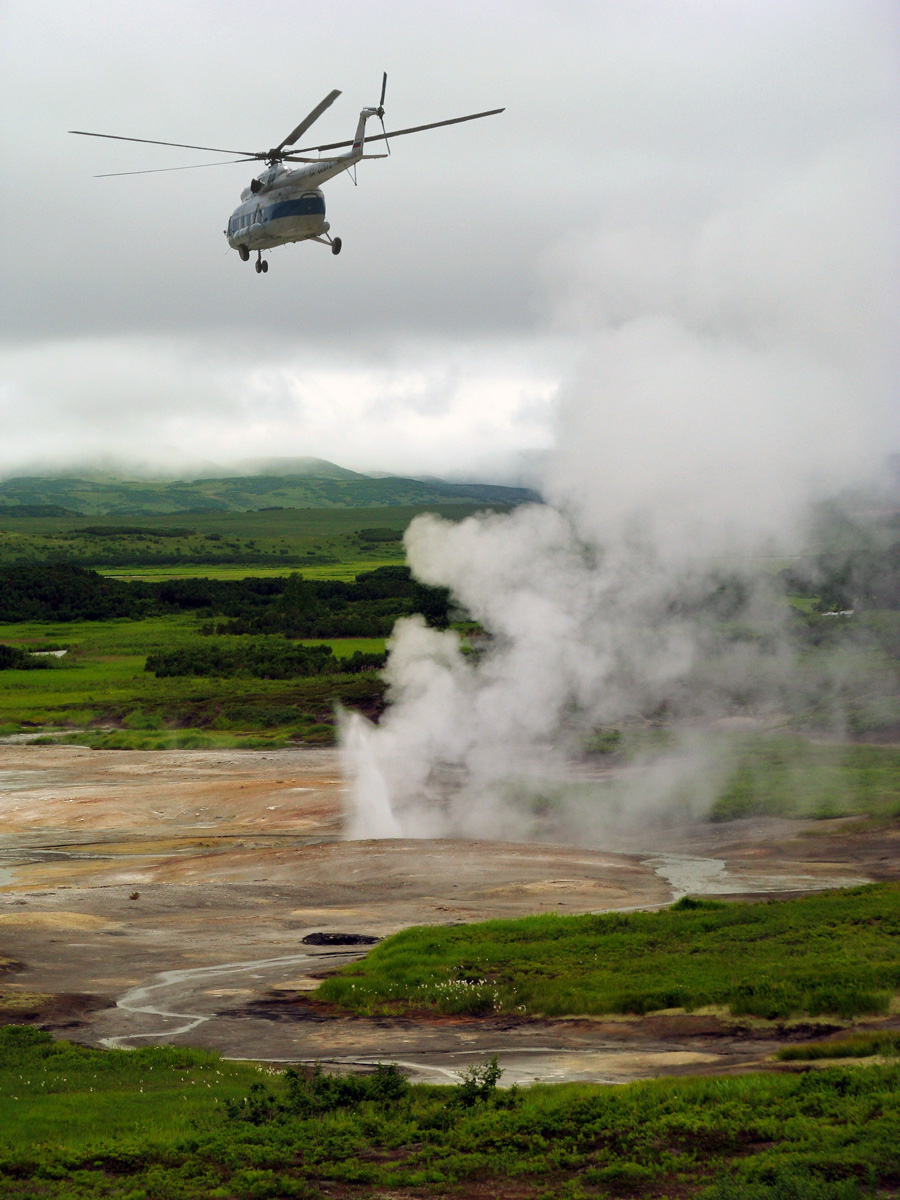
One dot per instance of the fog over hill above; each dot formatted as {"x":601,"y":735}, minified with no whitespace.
{"x":280,"y":483}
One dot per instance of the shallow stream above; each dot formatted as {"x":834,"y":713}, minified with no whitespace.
{"x":181,"y":1000}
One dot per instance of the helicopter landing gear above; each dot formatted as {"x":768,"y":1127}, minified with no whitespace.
{"x":244,"y":252}
{"x":334,"y":243}
{"x":261,"y":264}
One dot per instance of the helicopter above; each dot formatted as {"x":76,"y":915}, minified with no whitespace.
{"x":285,"y":203}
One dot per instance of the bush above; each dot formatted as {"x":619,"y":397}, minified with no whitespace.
{"x":478,"y":1083}
{"x":790,"y":1185}
{"x":310,"y":1091}
{"x":12,"y":658}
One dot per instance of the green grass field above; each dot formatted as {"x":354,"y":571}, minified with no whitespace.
{"x":322,"y":543}
{"x":784,"y":776}
{"x":102,"y":679}
{"x":885,"y":1043}
{"x":778,"y":774}
{"x":179,"y":1124}
{"x":346,"y":569}
{"x":833,"y":953}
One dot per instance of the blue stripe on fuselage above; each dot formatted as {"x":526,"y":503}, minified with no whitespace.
{"x":305,"y":206}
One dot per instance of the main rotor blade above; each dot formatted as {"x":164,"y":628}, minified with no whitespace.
{"x":378,"y":137}
{"x":383,"y":90}
{"x":160,"y":170}
{"x":180,"y":145}
{"x":307,"y":121}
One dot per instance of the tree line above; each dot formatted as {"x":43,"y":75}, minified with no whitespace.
{"x":273,"y":659}
{"x":289,"y":605}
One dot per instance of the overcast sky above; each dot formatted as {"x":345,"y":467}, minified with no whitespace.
{"x":479,"y":261}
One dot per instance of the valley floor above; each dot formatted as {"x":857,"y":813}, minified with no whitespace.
{"x":150,"y":897}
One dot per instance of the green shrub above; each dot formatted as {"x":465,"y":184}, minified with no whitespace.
{"x":85,"y":1124}
{"x":787,"y":1185}
{"x":310,"y":1091}
{"x":13,"y":658}
{"x":625,"y":1176}
{"x":478,"y":1084}
{"x":142,"y":720}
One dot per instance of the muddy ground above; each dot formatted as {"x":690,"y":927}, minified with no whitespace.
{"x":166,"y":896}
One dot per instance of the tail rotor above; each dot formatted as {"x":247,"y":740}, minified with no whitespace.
{"x":379,"y":111}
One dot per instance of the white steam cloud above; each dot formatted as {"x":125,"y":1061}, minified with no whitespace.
{"x":735,"y":368}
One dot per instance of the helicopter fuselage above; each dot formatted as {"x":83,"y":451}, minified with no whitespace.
{"x":291,"y":211}
{"x":285,"y":204}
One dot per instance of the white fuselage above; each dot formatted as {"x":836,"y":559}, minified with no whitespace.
{"x":290,"y":208}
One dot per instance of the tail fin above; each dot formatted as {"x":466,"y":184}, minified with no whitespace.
{"x":361,"y":129}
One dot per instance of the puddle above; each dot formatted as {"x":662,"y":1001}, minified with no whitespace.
{"x":684,"y":874}
{"x":691,"y":876}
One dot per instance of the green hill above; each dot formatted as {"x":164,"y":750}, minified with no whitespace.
{"x":313,"y":483}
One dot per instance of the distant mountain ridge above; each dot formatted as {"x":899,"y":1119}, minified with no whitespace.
{"x":310,"y":483}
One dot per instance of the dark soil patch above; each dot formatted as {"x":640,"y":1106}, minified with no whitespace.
{"x":339,"y":939}
{"x":59,"y":1012}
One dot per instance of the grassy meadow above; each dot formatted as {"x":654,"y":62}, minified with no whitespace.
{"x":775,"y":773}
{"x":184,"y":1124}
{"x":831,"y":954}
{"x":323,"y":543}
{"x":784,"y":775}
{"x":101,"y":681}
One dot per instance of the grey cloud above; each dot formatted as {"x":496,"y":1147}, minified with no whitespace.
{"x":625,"y":178}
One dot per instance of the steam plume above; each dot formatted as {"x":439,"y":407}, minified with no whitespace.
{"x":734,"y":368}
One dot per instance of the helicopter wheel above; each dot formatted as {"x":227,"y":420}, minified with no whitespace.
{"x":264,"y":266}
{"x":336,"y":246}
{"x":259,"y":266}
{"x":244,"y":252}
